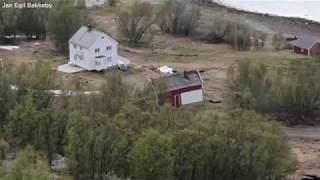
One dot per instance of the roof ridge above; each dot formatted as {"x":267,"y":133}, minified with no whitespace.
{"x":86,"y":38}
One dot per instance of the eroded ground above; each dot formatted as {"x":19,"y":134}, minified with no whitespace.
{"x":307,"y":152}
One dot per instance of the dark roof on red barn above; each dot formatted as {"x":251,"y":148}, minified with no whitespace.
{"x":179,"y":80}
{"x":306,"y":42}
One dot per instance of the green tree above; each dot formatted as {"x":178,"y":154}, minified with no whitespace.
{"x":66,"y":18}
{"x":250,"y":84}
{"x":79,"y":139}
{"x":29,"y":166}
{"x":4,"y":148}
{"x":178,"y":17}
{"x":43,"y":129}
{"x":21,"y":123}
{"x":190,"y":148}
{"x":9,"y":21}
{"x":239,"y":36}
{"x":135,"y":21}
{"x":7,"y":98}
{"x":131,"y":121}
{"x":33,"y":22}
{"x":151,"y":157}
{"x":114,"y":94}
{"x":298,"y":93}
{"x":35,"y":81}
{"x":112,"y":2}
{"x":52,"y":132}
{"x":292,"y":95}
{"x":81,"y":3}
{"x":2,"y":33}
{"x":93,"y":145}
{"x":189,"y":21}
{"x":243,"y":146}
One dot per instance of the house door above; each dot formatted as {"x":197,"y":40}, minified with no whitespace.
{"x":177,"y":100}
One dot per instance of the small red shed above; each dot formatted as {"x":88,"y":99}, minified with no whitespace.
{"x":308,"y":46}
{"x":180,"y":88}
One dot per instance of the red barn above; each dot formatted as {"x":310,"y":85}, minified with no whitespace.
{"x":180,"y":88}
{"x":307,"y":46}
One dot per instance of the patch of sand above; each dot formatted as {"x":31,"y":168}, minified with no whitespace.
{"x":308,"y":155}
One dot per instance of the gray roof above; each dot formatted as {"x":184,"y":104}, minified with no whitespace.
{"x":179,"y":80}
{"x":86,"y":38}
{"x":305,"y":42}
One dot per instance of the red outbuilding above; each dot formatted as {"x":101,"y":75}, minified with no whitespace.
{"x":180,"y":88}
{"x":308,"y":46}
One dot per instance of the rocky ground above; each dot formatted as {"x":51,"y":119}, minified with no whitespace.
{"x":264,"y":22}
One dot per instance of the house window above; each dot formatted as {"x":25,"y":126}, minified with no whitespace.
{"x":74,"y":46}
{"x":75,"y":57}
{"x":109,"y":59}
{"x":98,"y":63}
{"x":97,"y":50}
{"x":108,"y":48}
{"x":81,"y":57}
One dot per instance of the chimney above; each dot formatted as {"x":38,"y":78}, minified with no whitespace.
{"x":89,"y":27}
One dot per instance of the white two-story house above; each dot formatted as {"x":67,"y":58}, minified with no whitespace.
{"x":93,"y":50}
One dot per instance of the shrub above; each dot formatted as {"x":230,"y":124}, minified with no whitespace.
{"x":178,"y":17}
{"x":294,"y":94}
{"x":7,"y":97}
{"x":4,"y":148}
{"x":251,"y":82}
{"x":242,"y":145}
{"x":189,"y":21}
{"x":135,"y":21}
{"x":259,"y":39}
{"x":278,"y":41}
{"x":298,"y":93}
{"x":239,"y":36}
{"x":112,"y":2}
{"x":29,"y":165}
{"x":218,"y":31}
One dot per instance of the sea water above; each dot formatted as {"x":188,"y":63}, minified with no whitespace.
{"x":308,"y":9}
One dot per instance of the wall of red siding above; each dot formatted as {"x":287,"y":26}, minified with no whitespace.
{"x":300,"y":51}
{"x":171,"y":94}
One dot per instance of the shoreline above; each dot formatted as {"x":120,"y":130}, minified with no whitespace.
{"x":294,"y":26}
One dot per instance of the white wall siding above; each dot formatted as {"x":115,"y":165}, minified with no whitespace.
{"x":102,"y":44}
{"x":90,"y":60}
{"x":79,"y":52}
{"x":70,"y":53}
{"x":192,"y":97}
